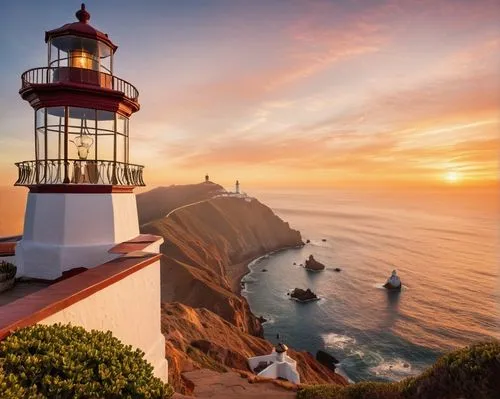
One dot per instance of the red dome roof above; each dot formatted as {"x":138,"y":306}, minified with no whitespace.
{"x":81,"y":29}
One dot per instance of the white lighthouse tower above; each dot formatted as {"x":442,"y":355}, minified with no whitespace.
{"x":81,"y":201}
{"x":237,"y":187}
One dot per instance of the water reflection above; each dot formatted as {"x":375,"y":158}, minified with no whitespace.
{"x":392,"y":310}
{"x":393,"y":299}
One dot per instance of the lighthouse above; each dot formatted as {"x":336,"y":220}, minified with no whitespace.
{"x":237,"y":187}
{"x":80,"y":179}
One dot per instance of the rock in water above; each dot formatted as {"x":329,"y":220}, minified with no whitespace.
{"x":313,"y":264}
{"x":337,"y":269}
{"x":303,"y":295}
{"x":326,"y":359}
{"x":308,"y":241}
{"x":393,"y":282}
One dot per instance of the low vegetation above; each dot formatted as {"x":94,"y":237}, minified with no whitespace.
{"x":62,"y":361}
{"x":470,"y":373}
{"x":7,"y":271}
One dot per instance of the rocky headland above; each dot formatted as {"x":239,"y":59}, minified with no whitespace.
{"x":209,"y":241}
{"x":313,"y":264}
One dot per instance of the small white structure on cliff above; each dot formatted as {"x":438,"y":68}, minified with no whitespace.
{"x":237,"y":187}
{"x":276,"y":365}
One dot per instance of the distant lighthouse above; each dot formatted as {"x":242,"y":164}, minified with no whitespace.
{"x":207,"y":178}
{"x":237,"y":186}
{"x":81,"y":201}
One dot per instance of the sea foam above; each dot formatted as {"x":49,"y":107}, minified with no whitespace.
{"x":340,"y":341}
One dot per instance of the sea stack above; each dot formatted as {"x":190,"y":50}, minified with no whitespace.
{"x":303,"y":295}
{"x":393,"y":282}
{"x":313,"y":264}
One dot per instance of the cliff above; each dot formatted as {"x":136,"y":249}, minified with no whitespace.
{"x":198,"y":338}
{"x":158,"y":202}
{"x":207,"y":247}
{"x":208,"y":244}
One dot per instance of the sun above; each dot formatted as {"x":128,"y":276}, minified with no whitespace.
{"x":452,"y":177}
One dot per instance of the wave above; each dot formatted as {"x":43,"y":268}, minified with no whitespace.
{"x":357,"y":356}
{"x":339,"y":341}
{"x":257,"y":260}
{"x":340,"y":370}
{"x":394,"y":369}
{"x":380,"y":286}
{"x":269,"y":319}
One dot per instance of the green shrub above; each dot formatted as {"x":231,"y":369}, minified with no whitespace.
{"x":361,"y":390}
{"x":319,"y":392}
{"x":469,"y":373}
{"x":472,"y":372}
{"x":7,"y":271}
{"x":62,"y":361}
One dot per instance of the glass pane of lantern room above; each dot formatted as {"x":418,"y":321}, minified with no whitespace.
{"x":55,"y":132}
{"x":106,"y":133}
{"x":78,"y":52}
{"x":58,"y":56}
{"x":75,"y":52}
{"x":40,"y":134}
{"x":121,"y":138}
{"x":81,"y":133}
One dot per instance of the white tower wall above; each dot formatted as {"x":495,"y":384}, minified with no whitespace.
{"x":65,"y":231}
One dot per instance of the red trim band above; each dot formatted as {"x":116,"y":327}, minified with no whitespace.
{"x":80,"y":189}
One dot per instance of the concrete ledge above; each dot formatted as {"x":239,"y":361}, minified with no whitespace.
{"x":35,"y":307}
{"x":139,"y":243}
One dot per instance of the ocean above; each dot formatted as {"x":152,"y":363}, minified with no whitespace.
{"x":444,"y":247}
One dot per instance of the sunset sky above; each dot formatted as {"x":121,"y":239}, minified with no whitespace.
{"x":286,"y":93}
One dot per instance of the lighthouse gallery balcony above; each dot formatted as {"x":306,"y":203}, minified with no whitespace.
{"x":77,"y":171}
{"x":77,"y":76}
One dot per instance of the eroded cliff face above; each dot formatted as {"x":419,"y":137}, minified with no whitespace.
{"x":198,"y":338}
{"x":208,"y":244}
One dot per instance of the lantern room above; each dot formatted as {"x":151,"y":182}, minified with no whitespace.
{"x":82,"y":112}
{"x":79,"y":45}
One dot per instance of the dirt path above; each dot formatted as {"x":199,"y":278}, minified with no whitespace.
{"x":211,"y":384}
